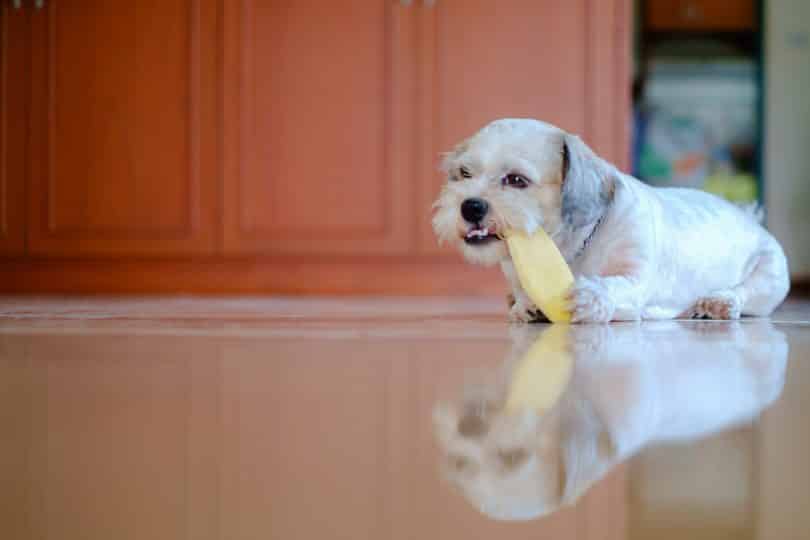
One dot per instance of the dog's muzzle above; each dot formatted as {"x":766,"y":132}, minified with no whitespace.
{"x":474,"y":210}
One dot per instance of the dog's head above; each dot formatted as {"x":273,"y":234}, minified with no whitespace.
{"x":523,"y":463}
{"x":518,"y":174}
{"x":507,"y":466}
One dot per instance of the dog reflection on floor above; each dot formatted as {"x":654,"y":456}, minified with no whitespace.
{"x":629,"y":386}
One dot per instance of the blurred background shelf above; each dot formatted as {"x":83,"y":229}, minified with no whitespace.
{"x":697,"y":99}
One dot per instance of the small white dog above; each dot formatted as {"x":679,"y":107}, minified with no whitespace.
{"x":636,"y":252}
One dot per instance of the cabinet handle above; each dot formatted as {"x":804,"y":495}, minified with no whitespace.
{"x":16,"y":4}
{"x":405,"y":3}
{"x":430,"y":3}
{"x":39,"y":4}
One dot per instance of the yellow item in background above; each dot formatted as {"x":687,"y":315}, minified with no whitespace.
{"x":738,"y":188}
{"x":540,"y":378}
{"x":542,"y":271}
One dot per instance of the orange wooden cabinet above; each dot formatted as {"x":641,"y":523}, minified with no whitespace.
{"x":276,"y":146}
{"x":13,"y":127}
{"x":123,"y":128}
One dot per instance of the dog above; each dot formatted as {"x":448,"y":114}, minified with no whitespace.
{"x":636,"y":252}
{"x":631,"y":386}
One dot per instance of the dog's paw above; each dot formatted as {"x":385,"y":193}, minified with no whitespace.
{"x":522,"y":312}
{"x":588,"y":301}
{"x":722,"y":305}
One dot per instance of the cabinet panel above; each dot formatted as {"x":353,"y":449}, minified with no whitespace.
{"x":13,"y":144}
{"x":317,"y":127}
{"x":123,"y":127}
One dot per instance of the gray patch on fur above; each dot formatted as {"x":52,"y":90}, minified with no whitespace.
{"x":587,"y":184}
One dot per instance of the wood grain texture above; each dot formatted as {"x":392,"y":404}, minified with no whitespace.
{"x":14,"y":80}
{"x":317,"y":106}
{"x":123,"y":132}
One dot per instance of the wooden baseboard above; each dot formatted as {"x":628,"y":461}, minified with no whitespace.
{"x":260,"y":276}
{"x":372,"y":276}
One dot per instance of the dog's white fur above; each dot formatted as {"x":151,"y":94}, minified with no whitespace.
{"x":636,"y":252}
{"x":631,"y":386}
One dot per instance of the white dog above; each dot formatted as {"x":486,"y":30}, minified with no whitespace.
{"x":637,"y":252}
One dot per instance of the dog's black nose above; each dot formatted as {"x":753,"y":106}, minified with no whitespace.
{"x":474,"y":210}
{"x":473,"y":426}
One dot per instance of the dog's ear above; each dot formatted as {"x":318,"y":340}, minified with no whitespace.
{"x":587,"y":183}
{"x":450,"y":159}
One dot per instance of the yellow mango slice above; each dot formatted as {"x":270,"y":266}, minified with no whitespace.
{"x":543,"y":373}
{"x":542,"y":271}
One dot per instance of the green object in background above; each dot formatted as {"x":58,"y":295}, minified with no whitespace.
{"x":653,"y":166}
{"x":740,"y":188}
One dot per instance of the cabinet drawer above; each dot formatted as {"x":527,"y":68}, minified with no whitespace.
{"x":700,"y":15}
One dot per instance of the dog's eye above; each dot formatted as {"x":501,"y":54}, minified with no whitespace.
{"x":515,"y":180}
{"x":459,"y":463}
{"x":513,"y":458}
{"x":464,"y":172}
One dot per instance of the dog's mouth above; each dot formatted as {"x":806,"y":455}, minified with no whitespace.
{"x":479,"y":235}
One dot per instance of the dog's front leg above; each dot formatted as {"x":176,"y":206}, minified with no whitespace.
{"x":521,"y":307}
{"x":604,"y":299}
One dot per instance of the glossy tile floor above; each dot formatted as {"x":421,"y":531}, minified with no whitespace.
{"x":401,"y":419}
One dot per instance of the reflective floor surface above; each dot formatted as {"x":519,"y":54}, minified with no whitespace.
{"x":396,"y":419}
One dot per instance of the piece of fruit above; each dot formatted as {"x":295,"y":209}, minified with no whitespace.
{"x":543,"y":373}
{"x":542,"y":272}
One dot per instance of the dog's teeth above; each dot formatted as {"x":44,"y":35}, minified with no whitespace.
{"x":478,"y":233}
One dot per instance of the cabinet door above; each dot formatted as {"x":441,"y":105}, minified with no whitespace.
{"x":318,"y":127}
{"x":560,"y":62}
{"x":13,"y":128}
{"x":124,"y":152}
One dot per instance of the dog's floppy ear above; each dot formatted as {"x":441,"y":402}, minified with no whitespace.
{"x":587,"y":183}
{"x":588,"y":451}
